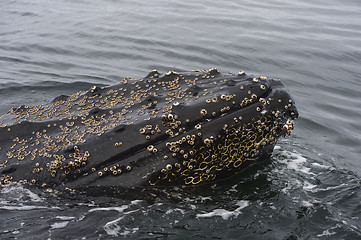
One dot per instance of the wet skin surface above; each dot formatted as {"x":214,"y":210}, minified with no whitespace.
{"x":172,"y":129}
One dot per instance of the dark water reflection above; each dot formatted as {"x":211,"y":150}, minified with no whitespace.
{"x":51,"y":48}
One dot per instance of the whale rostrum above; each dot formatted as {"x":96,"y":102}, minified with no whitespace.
{"x":166,"y":129}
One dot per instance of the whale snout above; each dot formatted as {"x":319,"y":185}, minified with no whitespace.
{"x":164,"y":129}
{"x":283,"y":107}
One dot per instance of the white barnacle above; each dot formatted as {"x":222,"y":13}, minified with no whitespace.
{"x":150,"y":148}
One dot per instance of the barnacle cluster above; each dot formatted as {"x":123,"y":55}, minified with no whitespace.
{"x":205,"y":161}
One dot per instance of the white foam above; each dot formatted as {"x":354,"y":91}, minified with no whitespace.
{"x":233,"y":189}
{"x":306,"y":204}
{"x":225,"y":214}
{"x":242,"y":203}
{"x":331,"y":188}
{"x":18,"y":191}
{"x":192,"y":206}
{"x":174,"y":210}
{"x":118,"y":209}
{"x":128,"y":231}
{"x":21,"y":208}
{"x":113,"y":229}
{"x":64,"y":217}
{"x":291,"y":185}
{"x":317,"y":165}
{"x":59,"y":225}
{"x":308,"y":186}
{"x":296,"y":162}
{"x":326,"y":233}
{"x":134,"y":202}
{"x":205,"y":198}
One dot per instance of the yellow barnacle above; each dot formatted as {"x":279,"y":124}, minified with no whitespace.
{"x":203,"y":112}
{"x":263,"y":78}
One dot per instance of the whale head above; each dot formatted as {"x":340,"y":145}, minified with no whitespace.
{"x":172,"y":129}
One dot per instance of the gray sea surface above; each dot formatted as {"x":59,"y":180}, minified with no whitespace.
{"x":310,"y":189}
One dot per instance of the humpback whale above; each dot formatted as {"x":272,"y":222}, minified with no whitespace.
{"x":169,"y":129}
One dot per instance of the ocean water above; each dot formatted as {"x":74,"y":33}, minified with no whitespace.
{"x":310,"y":189}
